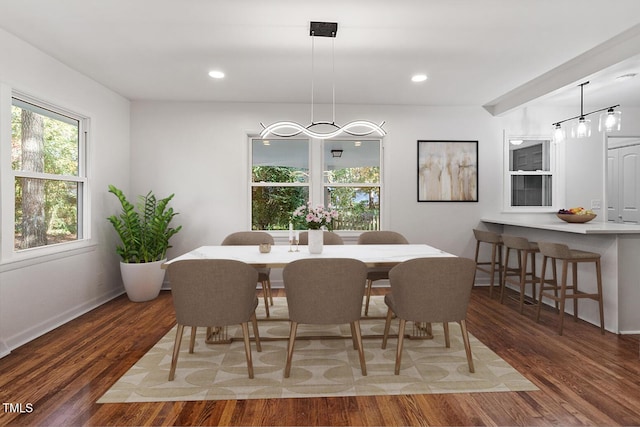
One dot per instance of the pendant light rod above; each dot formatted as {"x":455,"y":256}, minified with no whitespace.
{"x":582,"y":113}
{"x":357,"y":128}
{"x":313,"y":69}
{"x":586,"y":114}
{"x":582,"y":98}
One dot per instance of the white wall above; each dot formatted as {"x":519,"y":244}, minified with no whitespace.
{"x":199,"y":151}
{"x":37,"y":297}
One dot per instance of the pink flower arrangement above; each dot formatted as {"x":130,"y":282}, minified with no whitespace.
{"x":315,"y":218}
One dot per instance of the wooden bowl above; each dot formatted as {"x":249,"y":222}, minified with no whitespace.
{"x":573,"y":218}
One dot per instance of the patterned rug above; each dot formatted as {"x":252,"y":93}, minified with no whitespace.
{"x":320,"y":368}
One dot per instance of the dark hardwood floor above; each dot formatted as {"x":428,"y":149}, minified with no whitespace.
{"x":584,"y":378}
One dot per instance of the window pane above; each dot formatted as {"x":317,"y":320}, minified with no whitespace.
{"x":46,"y":212}
{"x":531,"y":190}
{"x":352,"y":161}
{"x":271,"y":207}
{"x":43,"y":141}
{"x":530,"y":155}
{"x":280,"y":160}
{"x":358,"y":207}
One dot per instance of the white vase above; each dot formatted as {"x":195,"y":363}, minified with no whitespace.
{"x":142,"y":281}
{"x":316,"y":241}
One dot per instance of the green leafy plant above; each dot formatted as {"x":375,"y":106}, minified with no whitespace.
{"x":145,"y":231}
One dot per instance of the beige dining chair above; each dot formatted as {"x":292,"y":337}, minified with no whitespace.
{"x":378,"y":273}
{"x":208,"y":293}
{"x":430,"y":290}
{"x":328,"y":238}
{"x":325,"y":291}
{"x":251,"y":238}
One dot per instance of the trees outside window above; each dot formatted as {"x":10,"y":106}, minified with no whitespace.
{"x":352,"y":182}
{"x":279,"y":181}
{"x":47,"y":163}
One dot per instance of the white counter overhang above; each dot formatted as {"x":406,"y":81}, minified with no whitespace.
{"x":550,"y":222}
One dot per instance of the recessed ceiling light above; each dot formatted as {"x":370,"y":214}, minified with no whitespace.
{"x":216,"y":74}
{"x":419,"y":78}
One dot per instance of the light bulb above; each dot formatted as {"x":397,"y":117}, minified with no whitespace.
{"x":582,"y":129}
{"x":558,"y":133}
{"x":610,"y":120}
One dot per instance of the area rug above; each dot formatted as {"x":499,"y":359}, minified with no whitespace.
{"x":320,"y":368}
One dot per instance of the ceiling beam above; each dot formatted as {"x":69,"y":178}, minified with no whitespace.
{"x":615,"y":50}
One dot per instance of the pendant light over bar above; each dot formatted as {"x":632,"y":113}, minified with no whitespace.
{"x":609,"y":120}
{"x":288,"y":128}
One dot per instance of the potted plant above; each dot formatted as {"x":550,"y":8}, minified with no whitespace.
{"x":144,"y":233}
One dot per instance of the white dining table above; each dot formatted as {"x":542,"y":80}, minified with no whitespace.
{"x":281,"y":255}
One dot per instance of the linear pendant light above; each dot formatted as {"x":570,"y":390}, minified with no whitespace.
{"x":609,"y":120}
{"x":288,"y":128}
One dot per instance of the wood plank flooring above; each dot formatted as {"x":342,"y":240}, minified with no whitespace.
{"x":584,"y":378}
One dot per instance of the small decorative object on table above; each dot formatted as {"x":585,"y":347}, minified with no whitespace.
{"x":316,"y":220}
{"x":265,"y":248}
{"x":576,"y":215}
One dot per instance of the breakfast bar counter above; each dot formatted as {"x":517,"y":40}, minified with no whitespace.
{"x":619,"y":247}
{"x":549,"y":221}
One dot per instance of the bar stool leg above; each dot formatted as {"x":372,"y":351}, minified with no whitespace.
{"x":493,"y":268}
{"x":476,"y":259}
{"x":575,"y":291}
{"x":522,"y":260}
{"x":534,"y":282}
{"x":503,"y":276}
{"x":600,"y":302}
{"x":555,"y":281}
{"x":563,"y":293}
{"x":542,"y":276}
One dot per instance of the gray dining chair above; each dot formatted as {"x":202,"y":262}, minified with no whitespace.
{"x":378,"y":273}
{"x":325,"y":291}
{"x":251,"y":238}
{"x":430,"y":290}
{"x":328,"y":238}
{"x":208,"y":293}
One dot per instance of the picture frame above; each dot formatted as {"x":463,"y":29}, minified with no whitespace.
{"x":447,"y":171}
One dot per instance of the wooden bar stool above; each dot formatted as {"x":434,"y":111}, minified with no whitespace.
{"x":560,"y":251}
{"x":525,"y":250}
{"x":495,"y":264}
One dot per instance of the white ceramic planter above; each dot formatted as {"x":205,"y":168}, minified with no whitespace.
{"x":316,"y":241}
{"x":142,"y":281}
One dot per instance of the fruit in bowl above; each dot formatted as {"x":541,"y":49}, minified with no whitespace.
{"x":576,"y":215}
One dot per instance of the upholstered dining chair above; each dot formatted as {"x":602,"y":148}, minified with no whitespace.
{"x":325,"y":291}
{"x":208,"y":293}
{"x":328,"y":238}
{"x":430,"y":290}
{"x":255,"y":238}
{"x":378,"y":273}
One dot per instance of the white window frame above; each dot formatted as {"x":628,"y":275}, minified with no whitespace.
{"x":316,"y":182}
{"x":11,"y":258}
{"x":556,"y":174}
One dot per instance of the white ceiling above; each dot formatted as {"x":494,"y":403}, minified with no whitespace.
{"x":474,"y":51}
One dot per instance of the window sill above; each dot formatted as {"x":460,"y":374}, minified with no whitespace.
{"x":36,"y":256}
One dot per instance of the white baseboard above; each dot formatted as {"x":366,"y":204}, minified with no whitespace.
{"x":54,"y":322}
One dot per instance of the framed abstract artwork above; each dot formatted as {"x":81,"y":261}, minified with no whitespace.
{"x":447,"y":171}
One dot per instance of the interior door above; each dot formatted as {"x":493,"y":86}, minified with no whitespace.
{"x":623,"y":183}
